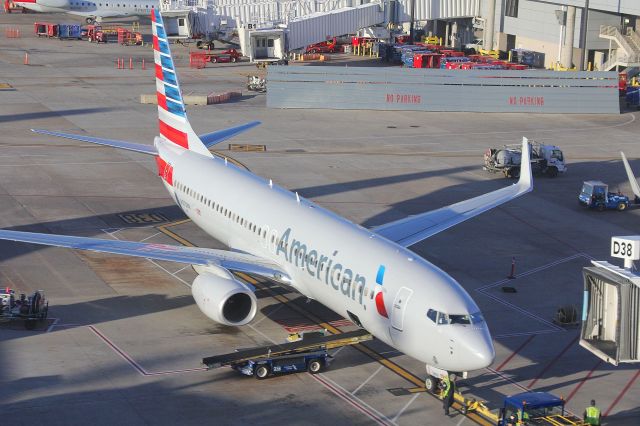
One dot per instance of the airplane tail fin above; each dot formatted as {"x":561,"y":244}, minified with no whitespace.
{"x":173,"y":122}
{"x":632,"y":179}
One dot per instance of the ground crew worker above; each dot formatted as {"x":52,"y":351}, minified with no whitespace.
{"x":592,"y":414}
{"x":447,"y":395}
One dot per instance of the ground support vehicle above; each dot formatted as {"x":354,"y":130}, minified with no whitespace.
{"x":536,"y":408}
{"x":255,"y":83}
{"x":205,"y":44}
{"x":45,"y":29}
{"x":69,"y":31}
{"x":310,"y":353}
{"x":632,"y":96}
{"x":595,"y":195}
{"x":200,"y":59}
{"x":101,"y":34}
{"x":229,"y":55}
{"x":545,"y":159}
{"x":129,"y":38}
{"x":323,"y":47}
{"x":29,"y":309}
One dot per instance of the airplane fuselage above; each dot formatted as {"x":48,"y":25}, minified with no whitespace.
{"x":384,"y":287}
{"x":94,"y":8}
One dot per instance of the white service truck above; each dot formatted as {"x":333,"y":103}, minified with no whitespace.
{"x":545,"y":159}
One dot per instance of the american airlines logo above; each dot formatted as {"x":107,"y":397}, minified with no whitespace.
{"x":324,"y":268}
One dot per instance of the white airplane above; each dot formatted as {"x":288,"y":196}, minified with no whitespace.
{"x":92,"y":10}
{"x":366,"y":275}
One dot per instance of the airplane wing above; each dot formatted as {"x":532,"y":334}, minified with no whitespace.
{"x":632,"y":179}
{"x":241,"y":262}
{"x":130,"y":146}
{"x":218,"y":136}
{"x":208,"y":139}
{"x":414,"y":229}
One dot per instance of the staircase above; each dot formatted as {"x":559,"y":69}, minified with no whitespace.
{"x":627,"y":52}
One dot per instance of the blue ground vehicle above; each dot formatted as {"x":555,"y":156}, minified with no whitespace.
{"x":595,"y":194}
{"x":303,"y":352}
{"x":535,"y":408}
{"x":313,"y":362}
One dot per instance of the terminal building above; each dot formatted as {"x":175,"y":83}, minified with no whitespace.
{"x":558,"y":30}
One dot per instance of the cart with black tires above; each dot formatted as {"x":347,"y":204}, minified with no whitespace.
{"x":31,"y":310}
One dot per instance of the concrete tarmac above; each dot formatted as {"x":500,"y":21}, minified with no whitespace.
{"x":125,"y":341}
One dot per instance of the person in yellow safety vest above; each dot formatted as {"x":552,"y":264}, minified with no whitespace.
{"x":523,"y":417}
{"x":592,"y":414}
{"x":447,"y":395}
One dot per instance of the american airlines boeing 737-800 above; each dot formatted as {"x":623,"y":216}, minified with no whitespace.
{"x":92,"y":9}
{"x":366,"y":275}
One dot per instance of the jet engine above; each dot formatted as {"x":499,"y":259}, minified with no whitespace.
{"x":224,"y":299}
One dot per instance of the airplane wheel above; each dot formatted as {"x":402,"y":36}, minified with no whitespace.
{"x":430,"y":384}
{"x":621,"y":207}
{"x":600,"y":207}
{"x":314,"y":366}
{"x":262,"y":371}
{"x":90,"y":21}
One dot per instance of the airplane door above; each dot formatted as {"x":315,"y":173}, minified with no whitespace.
{"x":271,"y":51}
{"x":399,"y":307}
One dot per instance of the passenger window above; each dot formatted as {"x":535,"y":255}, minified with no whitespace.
{"x":432,"y":315}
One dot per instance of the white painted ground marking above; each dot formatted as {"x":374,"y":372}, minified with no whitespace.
{"x":280,"y":306}
{"x":149,"y":237}
{"x":402,"y":410}
{"x":53,"y":324}
{"x":361,"y":402}
{"x":338,"y":351}
{"x":367,"y":381}
{"x":262,"y":334}
{"x":112,"y":235}
{"x":484,"y":290}
{"x":461,"y":420}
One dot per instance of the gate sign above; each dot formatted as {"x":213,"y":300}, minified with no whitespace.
{"x":626,"y":247}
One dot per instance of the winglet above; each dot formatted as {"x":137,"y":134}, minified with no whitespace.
{"x":632,"y":179}
{"x":525,"y":183}
{"x":218,"y":136}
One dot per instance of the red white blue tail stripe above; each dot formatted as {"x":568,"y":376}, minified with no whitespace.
{"x":173,"y":123}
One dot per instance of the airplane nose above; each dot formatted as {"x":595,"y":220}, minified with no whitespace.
{"x":477,"y":349}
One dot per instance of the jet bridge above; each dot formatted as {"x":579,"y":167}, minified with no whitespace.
{"x":611,"y":307}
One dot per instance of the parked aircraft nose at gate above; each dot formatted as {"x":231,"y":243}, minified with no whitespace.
{"x":472,"y":346}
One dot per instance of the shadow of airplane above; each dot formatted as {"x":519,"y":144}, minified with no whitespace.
{"x":46,"y":114}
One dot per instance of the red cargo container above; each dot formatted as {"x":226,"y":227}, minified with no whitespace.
{"x":426,"y":60}
{"x":45,"y":29}
{"x":451,"y":53}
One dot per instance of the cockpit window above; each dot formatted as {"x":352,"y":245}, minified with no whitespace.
{"x":432,"y":315}
{"x":476,"y":318}
{"x":441,"y":318}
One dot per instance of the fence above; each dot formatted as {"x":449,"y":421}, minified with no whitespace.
{"x":329,"y":87}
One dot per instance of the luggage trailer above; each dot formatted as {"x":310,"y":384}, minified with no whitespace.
{"x":308,"y":354}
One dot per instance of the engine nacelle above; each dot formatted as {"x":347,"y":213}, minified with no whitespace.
{"x":224,"y":300}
